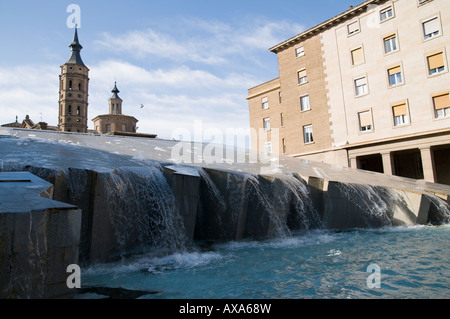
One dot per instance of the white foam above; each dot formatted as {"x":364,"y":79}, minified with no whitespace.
{"x":157,"y":264}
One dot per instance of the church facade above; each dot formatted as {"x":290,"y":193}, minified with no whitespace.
{"x":115,"y":121}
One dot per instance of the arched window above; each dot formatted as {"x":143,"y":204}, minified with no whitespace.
{"x":78,"y":110}
{"x":79,"y":86}
{"x":70,"y":85}
{"x":69,"y":111}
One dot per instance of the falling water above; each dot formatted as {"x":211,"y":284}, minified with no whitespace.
{"x":270,"y":196}
{"x":303,"y":212}
{"x":142,"y":210}
{"x":370,"y":202}
{"x":440,"y":210}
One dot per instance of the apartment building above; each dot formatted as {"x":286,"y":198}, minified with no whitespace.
{"x":368,"y":88}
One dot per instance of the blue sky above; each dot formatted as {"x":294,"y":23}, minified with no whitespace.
{"x":185,"y":61}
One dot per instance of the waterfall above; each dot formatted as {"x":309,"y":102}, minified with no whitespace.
{"x":439,"y":210}
{"x":303,"y":212}
{"x":357,"y":206}
{"x":142,"y":210}
{"x":270,"y":200}
{"x":222,"y":210}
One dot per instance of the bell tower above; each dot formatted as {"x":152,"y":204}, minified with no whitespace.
{"x":73,"y":91}
{"x":115,"y":102}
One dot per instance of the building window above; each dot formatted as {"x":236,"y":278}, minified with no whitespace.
{"x":283,"y":143}
{"x":108,"y":128}
{"x":265,"y":103}
{"x":400,"y":113}
{"x":302,"y":78}
{"x":386,"y":14}
{"x":304,"y":103}
{"x":395,"y":76}
{"x":365,"y":121}
{"x":266,"y":123}
{"x":436,"y":63}
{"x":79,"y":86}
{"x":69,"y":111}
{"x":353,"y":28}
{"x":361,"y":86}
{"x":300,"y":51}
{"x":390,"y":44}
{"x":420,"y":2}
{"x":308,"y":134}
{"x":268,"y":148}
{"x":282,"y":119}
{"x":279,"y":97}
{"x":431,"y":28}
{"x":124,"y":127}
{"x":357,"y":56}
{"x":70,"y":85}
{"x":78,"y":110}
{"x":441,"y":105}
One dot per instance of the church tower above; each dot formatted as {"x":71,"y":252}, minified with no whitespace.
{"x":115,"y":122}
{"x":115,"y":102}
{"x":73,"y":91}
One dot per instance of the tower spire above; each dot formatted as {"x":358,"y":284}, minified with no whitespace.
{"x":115,"y":92}
{"x":76,"y":47}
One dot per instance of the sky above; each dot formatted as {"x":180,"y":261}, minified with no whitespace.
{"x":190,"y":63}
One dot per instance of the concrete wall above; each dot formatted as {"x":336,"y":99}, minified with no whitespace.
{"x":39,"y":239}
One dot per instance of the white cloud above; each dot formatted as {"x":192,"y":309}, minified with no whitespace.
{"x":140,"y":44}
{"x":197,"y":40}
{"x":29,"y":90}
{"x":172,"y":98}
{"x":178,"y":77}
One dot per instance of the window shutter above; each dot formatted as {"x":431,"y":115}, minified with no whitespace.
{"x":399,"y":109}
{"x":365,"y":118}
{"x":436,"y":61}
{"x":353,"y":27}
{"x":301,"y":74}
{"x":360,"y":82}
{"x":357,"y":56}
{"x":395,"y":70}
{"x":441,"y":101}
{"x":431,"y":26}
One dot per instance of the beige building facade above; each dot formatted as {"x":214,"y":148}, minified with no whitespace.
{"x":368,"y":89}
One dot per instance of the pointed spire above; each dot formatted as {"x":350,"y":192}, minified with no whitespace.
{"x":76,"y":47}
{"x":115,"y":92}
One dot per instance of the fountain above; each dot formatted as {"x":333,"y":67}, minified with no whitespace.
{"x":132,"y":197}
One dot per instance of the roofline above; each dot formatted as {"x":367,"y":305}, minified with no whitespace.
{"x":270,"y":89}
{"x":351,"y":12}
{"x":267,"y":82}
{"x":114,"y":115}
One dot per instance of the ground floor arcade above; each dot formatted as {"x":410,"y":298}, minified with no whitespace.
{"x":423,"y":157}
